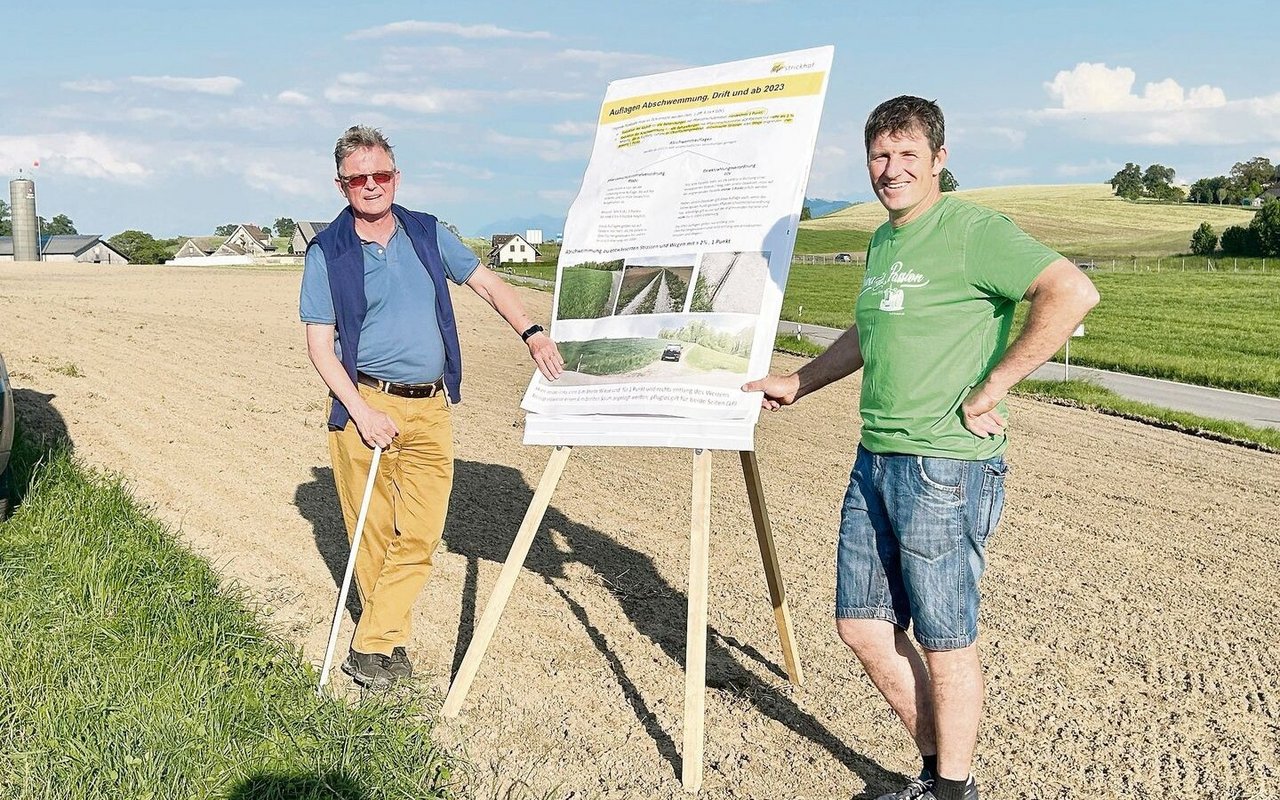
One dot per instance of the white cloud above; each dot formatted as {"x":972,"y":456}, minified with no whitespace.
{"x":1100,"y":103}
{"x":77,"y":153}
{"x":545,"y":149}
{"x":441,"y":58}
{"x":571,"y":128}
{"x":222,"y":84}
{"x":1097,"y":87}
{"x":428,"y":101}
{"x":612,"y":62}
{"x":268,"y":169}
{"x":267,"y":176}
{"x":411,"y":26}
{"x":350,"y":89}
{"x":90,"y":85}
{"x":291,"y":98}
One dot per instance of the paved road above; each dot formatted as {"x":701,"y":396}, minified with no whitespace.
{"x":1215,"y":403}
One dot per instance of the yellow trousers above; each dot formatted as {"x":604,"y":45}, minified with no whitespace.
{"x":406,"y":514}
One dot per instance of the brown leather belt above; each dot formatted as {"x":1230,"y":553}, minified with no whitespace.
{"x":402,"y":389}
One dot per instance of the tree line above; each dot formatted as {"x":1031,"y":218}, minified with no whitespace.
{"x":60,"y":225}
{"x":1260,"y":238}
{"x":1247,"y":180}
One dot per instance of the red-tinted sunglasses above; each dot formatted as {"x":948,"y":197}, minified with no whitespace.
{"x":359,"y":181}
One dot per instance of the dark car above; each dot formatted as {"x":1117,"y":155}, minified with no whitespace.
{"x":843,"y":258}
{"x":6,"y":437}
{"x":672,"y":353}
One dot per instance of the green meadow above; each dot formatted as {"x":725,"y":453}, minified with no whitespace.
{"x":1209,"y":328}
{"x":127,"y":670}
{"x":704,"y":358}
{"x":610,"y":356}
{"x":584,"y":293}
{"x":835,"y":240}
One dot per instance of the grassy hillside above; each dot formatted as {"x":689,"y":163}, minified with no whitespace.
{"x":837,"y":240}
{"x":1075,"y":219}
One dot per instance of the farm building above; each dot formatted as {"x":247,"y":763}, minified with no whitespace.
{"x":198,"y":246}
{"x":511,"y":248}
{"x":246,"y":240}
{"x":84,"y":248}
{"x":303,"y":233}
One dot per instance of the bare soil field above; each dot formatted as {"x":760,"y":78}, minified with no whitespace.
{"x":1129,"y":621}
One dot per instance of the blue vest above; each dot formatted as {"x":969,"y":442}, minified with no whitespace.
{"x":344,"y":256}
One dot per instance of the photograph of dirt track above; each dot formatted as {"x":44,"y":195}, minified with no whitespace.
{"x":1130,"y":633}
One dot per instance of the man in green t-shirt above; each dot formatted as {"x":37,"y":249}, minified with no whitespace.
{"x":931,"y":336}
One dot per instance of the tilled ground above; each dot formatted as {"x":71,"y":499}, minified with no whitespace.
{"x":1129,"y":623}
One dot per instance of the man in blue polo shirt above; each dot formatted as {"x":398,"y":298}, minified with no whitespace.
{"x":381,"y":332}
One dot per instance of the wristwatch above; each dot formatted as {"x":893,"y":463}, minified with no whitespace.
{"x":532,"y":330}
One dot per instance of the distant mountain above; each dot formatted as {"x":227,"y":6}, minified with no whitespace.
{"x":550,"y":226}
{"x":821,"y":208}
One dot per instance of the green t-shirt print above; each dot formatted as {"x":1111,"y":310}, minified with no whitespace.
{"x":933,"y":318}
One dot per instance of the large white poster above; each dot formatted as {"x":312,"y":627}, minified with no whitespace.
{"x":676,"y":252}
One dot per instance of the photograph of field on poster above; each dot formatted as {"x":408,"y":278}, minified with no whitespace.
{"x":709,"y":350}
{"x":655,"y":285}
{"x":730,"y":282}
{"x":589,"y":289}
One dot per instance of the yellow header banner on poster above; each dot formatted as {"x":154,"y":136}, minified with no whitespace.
{"x":771,"y":88}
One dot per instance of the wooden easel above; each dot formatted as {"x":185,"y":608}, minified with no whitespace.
{"x":699,"y":551}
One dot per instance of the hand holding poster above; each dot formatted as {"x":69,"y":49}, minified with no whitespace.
{"x":676,"y":253}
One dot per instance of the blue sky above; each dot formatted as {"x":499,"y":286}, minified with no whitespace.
{"x":173,"y":118}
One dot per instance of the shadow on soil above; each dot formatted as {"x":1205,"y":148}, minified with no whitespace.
{"x":488,"y":502}
{"x":318,"y":503}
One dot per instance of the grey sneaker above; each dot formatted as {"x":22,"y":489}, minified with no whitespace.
{"x":400,"y":666}
{"x":370,"y":670}
{"x":918,"y":789}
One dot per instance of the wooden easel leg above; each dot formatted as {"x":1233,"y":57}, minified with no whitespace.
{"x":695,"y":668}
{"x":506,"y":582}
{"x":772,"y":572}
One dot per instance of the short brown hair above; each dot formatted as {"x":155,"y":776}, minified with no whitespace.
{"x":907,"y":114}
{"x":358,"y":136}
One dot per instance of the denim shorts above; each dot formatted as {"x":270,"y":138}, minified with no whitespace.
{"x":913,"y":535}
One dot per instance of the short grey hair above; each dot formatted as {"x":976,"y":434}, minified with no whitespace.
{"x":358,"y":136}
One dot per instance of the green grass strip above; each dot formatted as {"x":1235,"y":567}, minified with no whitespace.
{"x":610,"y":356}
{"x":704,"y":358}
{"x":1083,"y":394}
{"x":1087,"y":395}
{"x":584,"y":293}
{"x":127,"y":671}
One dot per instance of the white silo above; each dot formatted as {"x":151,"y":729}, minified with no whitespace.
{"x":26,"y":231}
